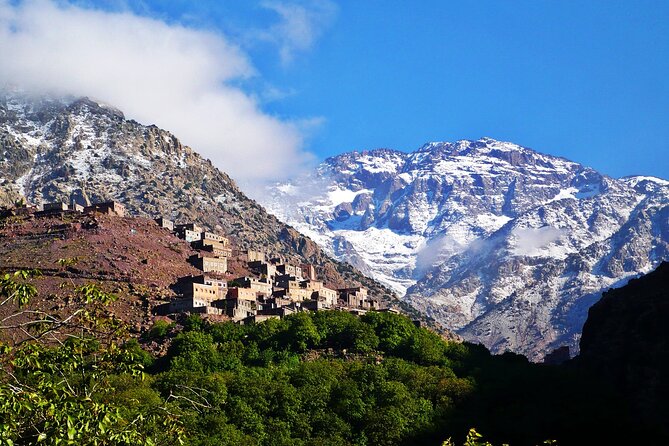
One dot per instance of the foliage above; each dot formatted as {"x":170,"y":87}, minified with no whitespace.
{"x":324,"y":378}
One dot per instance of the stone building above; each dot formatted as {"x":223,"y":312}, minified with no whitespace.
{"x":165,"y":223}
{"x":210,"y":264}
{"x":357,"y":297}
{"x":107,"y":207}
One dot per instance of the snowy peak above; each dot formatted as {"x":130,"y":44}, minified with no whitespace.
{"x":480,"y":232}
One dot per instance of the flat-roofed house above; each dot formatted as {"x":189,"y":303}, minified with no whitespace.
{"x":210,"y":264}
{"x":242,"y":293}
{"x":55,"y":207}
{"x":165,"y":223}
{"x":253,"y":256}
{"x":295,"y":294}
{"x":287,"y":269}
{"x":357,"y":297}
{"x":260,"y":285}
{"x":188,"y":231}
{"x":216,"y":248}
{"x":210,"y":236}
{"x":326,"y":295}
{"x":308,"y":271}
{"x":261,"y":268}
{"x":107,"y":207}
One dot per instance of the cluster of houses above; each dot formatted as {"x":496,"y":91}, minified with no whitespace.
{"x":60,"y":209}
{"x":274,"y":288}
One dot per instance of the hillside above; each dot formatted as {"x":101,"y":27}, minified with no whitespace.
{"x":130,"y":257}
{"x":78,"y":149}
{"x":503,"y":244}
{"x":625,"y":340}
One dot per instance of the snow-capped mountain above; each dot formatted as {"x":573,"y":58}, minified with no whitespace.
{"x":79,"y":149}
{"x":506,"y":245}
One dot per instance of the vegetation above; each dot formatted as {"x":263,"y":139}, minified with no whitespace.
{"x":325,"y":378}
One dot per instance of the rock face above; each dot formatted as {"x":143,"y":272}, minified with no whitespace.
{"x":55,"y":149}
{"x":508,"y":246}
{"x":625,"y":340}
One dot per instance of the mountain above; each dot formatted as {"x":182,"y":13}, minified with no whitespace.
{"x":508,"y":246}
{"x":62,"y":149}
{"x":626,"y":342}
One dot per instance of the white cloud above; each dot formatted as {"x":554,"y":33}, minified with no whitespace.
{"x":300,"y":24}
{"x":179,"y":78}
{"x":535,"y":241}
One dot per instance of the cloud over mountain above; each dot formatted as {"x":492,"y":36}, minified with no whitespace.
{"x":177,"y":77}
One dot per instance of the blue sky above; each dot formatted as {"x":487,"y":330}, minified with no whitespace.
{"x":587,"y":80}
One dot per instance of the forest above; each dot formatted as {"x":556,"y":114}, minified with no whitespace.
{"x":322,"y":378}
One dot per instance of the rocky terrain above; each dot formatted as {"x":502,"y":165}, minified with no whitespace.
{"x":508,"y":246}
{"x":131,"y":257}
{"x":625,"y":341}
{"x":63,"y":149}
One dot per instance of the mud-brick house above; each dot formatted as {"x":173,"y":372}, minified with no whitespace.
{"x":205,"y":293}
{"x":106,"y":207}
{"x":209,"y":264}
{"x":188,"y":231}
{"x":189,"y":306}
{"x":295,"y":294}
{"x":238,"y":309}
{"x":210,"y":236}
{"x":56,"y":206}
{"x":262,"y":268}
{"x":242,"y":293}
{"x":357,"y":297}
{"x":263,"y":286}
{"x":214,"y":247}
{"x":326,"y":295}
{"x":308,"y":271}
{"x":287,"y":269}
{"x":254,"y":256}
{"x":165,"y":223}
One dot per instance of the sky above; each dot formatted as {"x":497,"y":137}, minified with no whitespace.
{"x":265,"y":88}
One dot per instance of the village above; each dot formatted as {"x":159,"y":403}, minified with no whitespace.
{"x":272,"y":288}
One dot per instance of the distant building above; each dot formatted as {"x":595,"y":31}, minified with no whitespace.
{"x":253,"y":256}
{"x":263,"y":286}
{"x":287,"y":269}
{"x":55,"y":207}
{"x":214,"y":247}
{"x":210,"y":236}
{"x":165,"y":223}
{"x":210,"y":264}
{"x":357,"y":298}
{"x":238,"y":309}
{"x":261,"y":268}
{"x":188,"y":231}
{"x":308,"y":271}
{"x":107,"y":207}
{"x":242,"y":293}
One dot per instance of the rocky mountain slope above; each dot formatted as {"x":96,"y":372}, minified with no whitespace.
{"x":56,"y":149}
{"x":625,"y":341}
{"x":508,"y":246}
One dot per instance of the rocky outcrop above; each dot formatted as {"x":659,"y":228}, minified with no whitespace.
{"x":625,"y":340}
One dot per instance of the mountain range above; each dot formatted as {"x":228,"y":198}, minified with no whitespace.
{"x":507,"y":246}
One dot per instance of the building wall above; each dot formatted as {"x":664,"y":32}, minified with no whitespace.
{"x":242,"y":293}
{"x":218,"y":265}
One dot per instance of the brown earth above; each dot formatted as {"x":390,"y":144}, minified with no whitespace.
{"x":131,"y":257}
